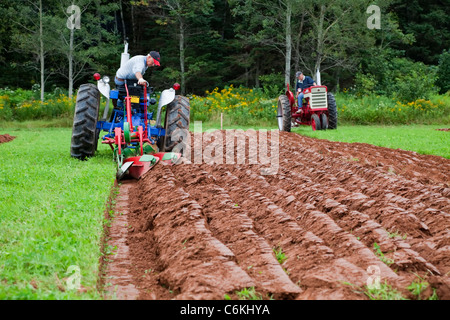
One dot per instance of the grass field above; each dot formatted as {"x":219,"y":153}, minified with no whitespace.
{"x":51,"y":215}
{"x":423,"y":139}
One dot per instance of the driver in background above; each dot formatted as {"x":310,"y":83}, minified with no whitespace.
{"x":303,"y":82}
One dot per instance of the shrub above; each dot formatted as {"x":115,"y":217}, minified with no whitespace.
{"x":272,"y":84}
{"x":365,"y":84}
{"x":412,"y":80}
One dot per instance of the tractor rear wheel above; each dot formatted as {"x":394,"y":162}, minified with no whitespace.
{"x":332,"y":112}
{"x":176,"y":125}
{"x":284,"y":114}
{"x":84,"y":135}
{"x":315,"y":122}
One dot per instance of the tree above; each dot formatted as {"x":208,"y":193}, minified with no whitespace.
{"x":82,"y":46}
{"x":181,"y":14}
{"x":335,"y":35}
{"x":428,"y":21}
{"x":270,"y":24}
{"x":32,"y":35}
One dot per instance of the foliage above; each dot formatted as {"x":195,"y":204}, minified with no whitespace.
{"x":241,"y":106}
{"x":376,"y":109}
{"x":399,"y":78}
{"x":24,"y":105}
{"x":225,"y":42}
{"x":443,"y":74}
{"x":428,"y":22}
{"x":272,"y":84}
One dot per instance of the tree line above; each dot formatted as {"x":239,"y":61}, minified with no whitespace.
{"x":212,"y":43}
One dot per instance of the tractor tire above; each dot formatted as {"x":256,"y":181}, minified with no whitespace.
{"x":332,"y":112}
{"x":315,"y":122}
{"x":324,"y":121}
{"x":176,"y":125}
{"x":284,"y":114}
{"x":84,"y":133}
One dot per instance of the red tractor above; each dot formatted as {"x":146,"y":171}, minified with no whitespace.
{"x":318,"y":110}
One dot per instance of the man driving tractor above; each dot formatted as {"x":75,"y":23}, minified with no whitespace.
{"x":135,"y":68}
{"x":303,"y":82}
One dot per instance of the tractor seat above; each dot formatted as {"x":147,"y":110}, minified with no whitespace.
{"x":134,"y":89}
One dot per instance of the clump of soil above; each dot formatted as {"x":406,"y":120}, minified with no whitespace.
{"x":6,"y":138}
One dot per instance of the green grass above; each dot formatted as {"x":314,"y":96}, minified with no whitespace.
{"x":380,"y":255}
{"x":280,"y":255}
{"x":51,"y":214}
{"x":384,"y":292}
{"x":249,"y":294}
{"x":418,"y":286}
{"x":424,"y":139}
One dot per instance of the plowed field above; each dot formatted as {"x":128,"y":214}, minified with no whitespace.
{"x":337,"y":214}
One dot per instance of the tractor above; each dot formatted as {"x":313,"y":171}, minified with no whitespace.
{"x":138,"y":142}
{"x":318,"y":110}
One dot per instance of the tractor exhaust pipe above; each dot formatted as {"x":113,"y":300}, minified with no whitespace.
{"x":318,"y":80}
{"x":125,"y":55}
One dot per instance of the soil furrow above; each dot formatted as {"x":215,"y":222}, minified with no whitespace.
{"x":231,"y":225}
{"x":285,"y":233}
{"x":314,"y":230}
{"x":191,"y":262}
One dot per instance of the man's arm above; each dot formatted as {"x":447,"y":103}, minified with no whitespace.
{"x":140,"y":78}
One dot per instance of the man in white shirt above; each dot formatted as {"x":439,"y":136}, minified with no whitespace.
{"x":135,"y":68}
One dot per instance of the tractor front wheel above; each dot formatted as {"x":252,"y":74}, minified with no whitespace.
{"x":324,"y":121}
{"x":84,"y":133}
{"x":284,"y":114}
{"x":315,"y":122}
{"x":176,"y":125}
{"x":332,"y":112}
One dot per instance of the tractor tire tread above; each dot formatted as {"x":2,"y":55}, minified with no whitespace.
{"x":83,"y":144}
{"x":332,"y":111}
{"x":283,"y":102}
{"x":178,"y":117}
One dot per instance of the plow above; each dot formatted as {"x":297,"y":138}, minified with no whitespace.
{"x":138,"y":142}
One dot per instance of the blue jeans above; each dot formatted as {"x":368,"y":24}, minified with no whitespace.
{"x":300,"y":100}
{"x":118,"y":83}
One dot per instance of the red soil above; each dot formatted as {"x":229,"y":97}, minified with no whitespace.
{"x":199,"y":231}
{"x":6,"y":138}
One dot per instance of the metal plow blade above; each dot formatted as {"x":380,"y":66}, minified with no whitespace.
{"x":136,"y":167}
{"x":168,"y":158}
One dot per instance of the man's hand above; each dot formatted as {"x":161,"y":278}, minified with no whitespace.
{"x":142,"y":82}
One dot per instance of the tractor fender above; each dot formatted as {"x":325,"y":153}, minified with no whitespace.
{"x":290,"y":96}
{"x":104,"y":88}
{"x":167,"y":96}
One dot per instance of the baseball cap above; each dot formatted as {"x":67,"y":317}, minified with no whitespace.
{"x":155,"y":55}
